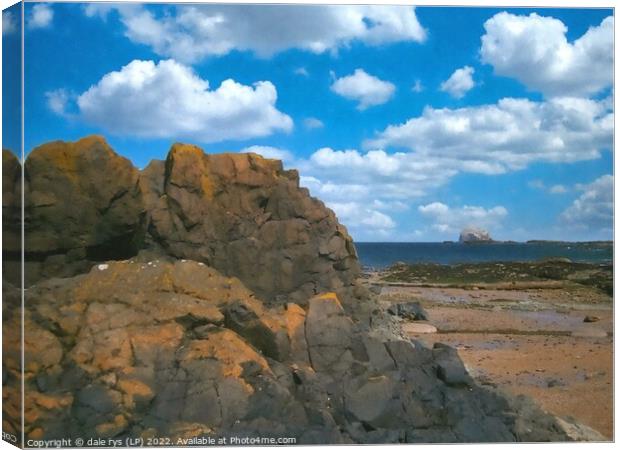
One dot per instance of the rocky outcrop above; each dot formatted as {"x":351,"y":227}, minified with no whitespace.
{"x":247,"y":217}
{"x":240,"y":213}
{"x":217,"y":298}
{"x":472,"y":235}
{"x":152,"y":348}
{"x":82,"y":204}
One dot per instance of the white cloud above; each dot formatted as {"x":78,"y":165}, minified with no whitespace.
{"x":366,"y":89}
{"x":417,"y":87}
{"x":191,"y":33}
{"x":312,"y":123}
{"x":558,"y":189}
{"x":459,"y":83}
{"x":534,"y":50}
{"x":100,"y":10}
{"x":57,"y":101}
{"x":505,"y":136}
{"x":593,"y":209}
{"x":378,"y":180}
{"x":555,"y":189}
{"x":390,"y":205}
{"x":41,"y":16}
{"x":168,"y":99}
{"x":9,"y":23}
{"x":270,"y":152}
{"x":358,"y":216}
{"x":301,"y":71}
{"x":439,"y":144}
{"x":449,"y":220}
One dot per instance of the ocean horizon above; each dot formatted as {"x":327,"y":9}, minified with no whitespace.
{"x":380,"y":255}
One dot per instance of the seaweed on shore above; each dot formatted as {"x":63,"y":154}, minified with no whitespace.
{"x":599,"y":276}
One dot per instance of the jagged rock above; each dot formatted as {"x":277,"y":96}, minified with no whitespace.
{"x":82,"y":203}
{"x":473,"y":234}
{"x":241,"y":213}
{"x":179,"y":349}
{"x":236,"y":212}
{"x":409,"y":311}
{"x":450,"y":368}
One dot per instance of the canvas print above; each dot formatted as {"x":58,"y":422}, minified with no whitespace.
{"x":241,"y":224}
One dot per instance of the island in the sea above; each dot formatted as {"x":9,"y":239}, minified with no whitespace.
{"x":474,"y":235}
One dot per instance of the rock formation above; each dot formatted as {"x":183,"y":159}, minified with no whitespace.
{"x":246,"y":216}
{"x":217,"y":298}
{"x":82,"y":204}
{"x":472,"y":234}
{"x":239,"y":213}
{"x":146,"y":348}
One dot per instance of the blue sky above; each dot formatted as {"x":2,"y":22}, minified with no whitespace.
{"x":410,"y":123}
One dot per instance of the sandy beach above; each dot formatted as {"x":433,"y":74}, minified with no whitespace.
{"x":524,"y":338}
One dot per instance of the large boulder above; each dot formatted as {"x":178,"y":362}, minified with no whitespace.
{"x":151,"y":348}
{"x":82,"y":203}
{"x":247,"y":216}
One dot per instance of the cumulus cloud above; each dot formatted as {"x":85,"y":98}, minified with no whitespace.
{"x":169,"y":100}
{"x":446,"y":219}
{"x":9,"y":23}
{"x":312,"y":123}
{"x":57,"y":101}
{"x":377,"y":183}
{"x":506,"y":136}
{"x":358,"y":215}
{"x":366,"y":89}
{"x":41,"y":16}
{"x":594,"y":208}
{"x":270,"y":152}
{"x":407,"y":162}
{"x":191,"y":33}
{"x":459,"y":83}
{"x":534,"y":50}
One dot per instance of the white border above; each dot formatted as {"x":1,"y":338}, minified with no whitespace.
{"x":473,"y":3}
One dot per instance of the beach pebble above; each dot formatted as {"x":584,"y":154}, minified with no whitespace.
{"x":102,"y":267}
{"x":590,"y":319}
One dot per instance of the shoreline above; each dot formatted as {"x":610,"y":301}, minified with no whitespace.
{"x":501,"y":329}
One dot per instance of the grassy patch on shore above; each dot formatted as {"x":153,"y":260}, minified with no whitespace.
{"x":599,"y":276}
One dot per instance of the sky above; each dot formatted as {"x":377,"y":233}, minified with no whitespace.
{"x":410,"y":123}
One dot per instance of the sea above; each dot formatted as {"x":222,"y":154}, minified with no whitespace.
{"x":379,"y":255}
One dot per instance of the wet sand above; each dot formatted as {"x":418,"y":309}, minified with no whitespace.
{"x":531,"y":341}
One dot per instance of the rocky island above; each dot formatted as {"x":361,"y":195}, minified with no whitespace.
{"x":211,"y":295}
{"x":474,"y":235}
